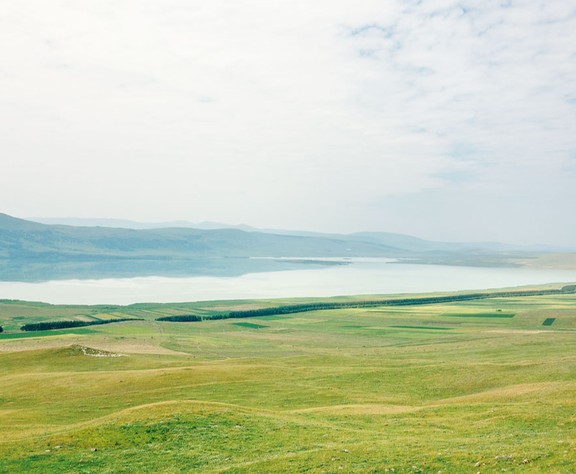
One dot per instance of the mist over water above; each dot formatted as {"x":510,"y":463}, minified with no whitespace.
{"x":359,"y":276}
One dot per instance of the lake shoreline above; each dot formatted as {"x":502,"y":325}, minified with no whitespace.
{"x":357,"y":276}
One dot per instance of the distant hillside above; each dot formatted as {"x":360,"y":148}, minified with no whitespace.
{"x":129,"y":224}
{"x":415,"y":244}
{"x":22,"y":239}
{"x":403,"y":242}
{"x":30,"y":249}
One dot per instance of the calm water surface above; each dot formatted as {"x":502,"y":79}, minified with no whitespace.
{"x":360,"y":276}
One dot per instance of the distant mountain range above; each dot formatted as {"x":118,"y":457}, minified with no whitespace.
{"x":129,"y":224}
{"x":21,"y":238}
{"x":34,"y":251}
{"x":398,"y":241}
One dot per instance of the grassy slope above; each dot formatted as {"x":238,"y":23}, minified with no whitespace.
{"x":414,"y":389}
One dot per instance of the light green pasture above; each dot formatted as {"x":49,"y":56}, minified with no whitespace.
{"x":469,"y":387}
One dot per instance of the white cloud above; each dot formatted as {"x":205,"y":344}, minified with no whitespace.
{"x":289,"y":114}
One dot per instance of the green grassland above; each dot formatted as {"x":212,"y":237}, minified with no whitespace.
{"x":468,"y":386}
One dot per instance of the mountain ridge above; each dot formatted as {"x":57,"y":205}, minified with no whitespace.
{"x":20,"y":238}
{"x":402,"y":241}
{"x":32,"y":251}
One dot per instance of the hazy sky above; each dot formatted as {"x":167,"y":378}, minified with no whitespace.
{"x":445,"y":119}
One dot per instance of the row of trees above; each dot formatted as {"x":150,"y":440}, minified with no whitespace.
{"x":317,"y":306}
{"x":305,"y":307}
{"x":182,"y":318}
{"x":48,"y":325}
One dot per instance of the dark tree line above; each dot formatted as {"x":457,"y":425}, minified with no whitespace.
{"x":181,"y":318}
{"x":48,"y":325}
{"x":317,"y":306}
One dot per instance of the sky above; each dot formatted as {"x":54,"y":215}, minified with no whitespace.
{"x":449,"y":120}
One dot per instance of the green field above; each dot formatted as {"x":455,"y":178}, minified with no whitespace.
{"x":474,"y":386}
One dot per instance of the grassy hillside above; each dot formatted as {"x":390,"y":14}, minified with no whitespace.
{"x":476,"y":386}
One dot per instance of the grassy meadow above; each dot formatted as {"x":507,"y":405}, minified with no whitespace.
{"x":476,"y":386}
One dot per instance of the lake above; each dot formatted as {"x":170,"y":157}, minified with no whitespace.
{"x":353,"y":276}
